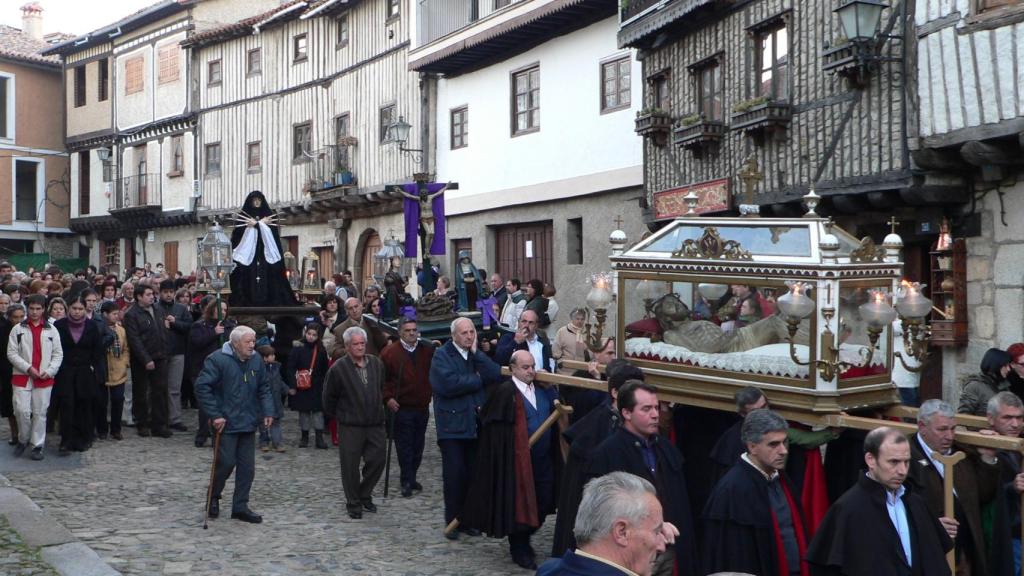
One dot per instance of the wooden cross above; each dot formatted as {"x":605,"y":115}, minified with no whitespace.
{"x":948,"y":462}
{"x":750,"y":175}
{"x":618,"y":222}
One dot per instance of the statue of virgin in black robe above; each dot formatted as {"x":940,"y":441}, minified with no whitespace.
{"x":259,"y":276}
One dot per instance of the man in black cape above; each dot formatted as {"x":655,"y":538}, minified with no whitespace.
{"x":635,"y":447}
{"x":752,"y":521}
{"x":513,"y":486}
{"x":880,"y":527}
{"x":730,"y":447}
{"x":583,"y":437}
{"x":259,"y":276}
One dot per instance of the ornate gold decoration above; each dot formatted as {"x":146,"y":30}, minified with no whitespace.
{"x":710,"y":246}
{"x":867,"y":253}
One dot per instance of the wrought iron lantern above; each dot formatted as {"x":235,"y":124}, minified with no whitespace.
{"x":291,"y":271}
{"x":860,"y":19}
{"x":215,"y":258}
{"x":311,"y":274}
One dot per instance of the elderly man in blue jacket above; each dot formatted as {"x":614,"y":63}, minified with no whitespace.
{"x":458,"y":374}
{"x":234,"y":392}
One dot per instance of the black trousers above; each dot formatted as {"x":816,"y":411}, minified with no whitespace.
{"x":410,"y":435}
{"x":77,"y":398}
{"x":237,"y":454}
{"x":457,"y":458}
{"x":150,"y":402}
{"x":519,"y":538}
{"x":114,"y":397}
{"x":357,"y":444}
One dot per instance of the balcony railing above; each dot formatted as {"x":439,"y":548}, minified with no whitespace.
{"x":328,"y":167}
{"x":442,"y":17}
{"x":139,"y":192}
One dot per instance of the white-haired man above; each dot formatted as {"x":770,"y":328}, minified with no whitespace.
{"x":619,"y":530}
{"x":354,"y":395}
{"x":234,"y":392}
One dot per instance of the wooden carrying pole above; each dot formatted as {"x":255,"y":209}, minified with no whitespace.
{"x":560,"y":409}
{"x":948,"y":507}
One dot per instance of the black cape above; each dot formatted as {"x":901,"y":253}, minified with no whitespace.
{"x":583,"y":437}
{"x":621,"y":452}
{"x":260,"y":283}
{"x":490,"y":501}
{"x":738,"y":531}
{"x":727,"y":451}
{"x":857,"y":538}
{"x":697,"y":432}
{"x":844,"y":462}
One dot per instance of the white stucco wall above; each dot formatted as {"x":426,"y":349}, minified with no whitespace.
{"x":156,"y":101}
{"x":575,"y":140}
{"x":99,"y":202}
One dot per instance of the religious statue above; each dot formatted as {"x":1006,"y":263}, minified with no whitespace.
{"x":468,"y":282}
{"x":704,"y":336}
{"x":394,"y":290}
{"x":424,"y":216}
{"x":259,"y":276}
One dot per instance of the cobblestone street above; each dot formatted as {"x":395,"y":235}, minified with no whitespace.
{"x":138,"y":503}
{"x":18,"y":559}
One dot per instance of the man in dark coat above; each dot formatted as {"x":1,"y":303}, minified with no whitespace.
{"x":730,"y":447}
{"x":407,"y":395}
{"x":354,"y":395}
{"x":583,"y":437}
{"x":1006,"y":417}
{"x":234,"y":391}
{"x":498,"y":291}
{"x":458,"y":374}
{"x":259,"y":276}
{"x":636,"y":448}
{"x":616,"y":537}
{"x":179,"y":321}
{"x":752,"y":521}
{"x":879,"y":527}
{"x":975,"y":482}
{"x":513,"y":486}
{"x":146,"y":329}
{"x":525,"y":338}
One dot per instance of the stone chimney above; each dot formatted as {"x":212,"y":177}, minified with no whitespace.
{"x":32,"y":20}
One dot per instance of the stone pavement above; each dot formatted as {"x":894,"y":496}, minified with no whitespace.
{"x":18,"y":558}
{"x":139,"y":504}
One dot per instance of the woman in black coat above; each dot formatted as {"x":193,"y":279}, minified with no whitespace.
{"x":79,"y":378}
{"x":308,"y":403}
{"x":14,"y":315}
{"x":204,"y":338}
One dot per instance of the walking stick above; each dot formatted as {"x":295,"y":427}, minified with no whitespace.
{"x":947,"y":491}
{"x":560,"y":409}
{"x":213,"y":472}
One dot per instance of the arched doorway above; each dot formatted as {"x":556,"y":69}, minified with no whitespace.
{"x":368,"y":246}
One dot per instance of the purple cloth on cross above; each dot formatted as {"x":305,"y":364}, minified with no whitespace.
{"x":412,"y":219}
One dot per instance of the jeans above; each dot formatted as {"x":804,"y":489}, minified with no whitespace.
{"x":237,"y":454}
{"x":114,"y":397}
{"x":271,"y":435}
{"x":410,"y":428}
{"x":456,"y":468}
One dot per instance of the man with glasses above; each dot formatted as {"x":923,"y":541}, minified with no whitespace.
{"x":407,"y":395}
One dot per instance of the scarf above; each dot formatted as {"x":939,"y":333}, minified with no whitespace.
{"x":76,"y":328}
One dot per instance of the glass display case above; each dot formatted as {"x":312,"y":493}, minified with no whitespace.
{"x":796,"y":306}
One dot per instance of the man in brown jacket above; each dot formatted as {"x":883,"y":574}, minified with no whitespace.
{"x":407,"y":394}
{"x":975,"y":483}
{"x":354,"y":394}
{"x":376,"y":340}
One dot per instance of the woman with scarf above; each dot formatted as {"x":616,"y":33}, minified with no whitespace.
{"x":980,"y":388}
{"x":79,"y":379}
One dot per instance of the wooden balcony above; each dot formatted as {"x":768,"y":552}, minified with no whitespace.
{"x":136,"y":195}
{"x":700,"y":134}
{"x":655,"y":124}
{"x":762,"y":118}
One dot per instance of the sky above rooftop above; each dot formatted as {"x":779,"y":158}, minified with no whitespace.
{"x":72,"y":16}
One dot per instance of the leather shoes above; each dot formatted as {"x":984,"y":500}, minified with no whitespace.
{"x":19,"y":450}
{"x":524,"y":561}
{"x":179,"y":427}
{"x":163,"y":433}
{"x":214,"y":509}
{"x":369,"y":507}
{"x":143,"y":431}
{"x":407,"y":491}
{"x":247,"y":516}
{"x":470,"y":531}
{"x":200,"y":442}
{"x":453,"y":535}
{"x":355,"y":514}
{"x":417,"y":487}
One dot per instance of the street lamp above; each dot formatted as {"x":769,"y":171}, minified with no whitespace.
{"x":398,"y":132}
{"x":860,"y":19}
{"x":215,"y":260}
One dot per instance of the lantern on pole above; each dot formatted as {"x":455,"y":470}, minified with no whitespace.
{"x":311,"y":274}
{"x":216,"y":262}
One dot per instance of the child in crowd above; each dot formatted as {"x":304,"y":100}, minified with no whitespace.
{"x":117,"y":374}
{"x":271,"y":438}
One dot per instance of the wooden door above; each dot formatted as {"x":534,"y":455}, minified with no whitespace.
{"x":370,"y":249}
{"x":326,"y":255}
{"x":171,"y":258}
{"x":525,"y":252}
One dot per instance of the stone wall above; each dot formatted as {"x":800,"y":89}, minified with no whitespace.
{"x":995,"y":286}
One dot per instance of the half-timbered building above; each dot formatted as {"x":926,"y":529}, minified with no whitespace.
{"x":297,"y":102}
{"x":534,"y":109}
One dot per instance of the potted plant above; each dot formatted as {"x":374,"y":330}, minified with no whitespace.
{"x":653,"y":122}
{"x":695,"y":131}
{"x":343,"y":177}
{"x":760,"y":114}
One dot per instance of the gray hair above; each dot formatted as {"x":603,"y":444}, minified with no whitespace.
{"x":238,"y":332}
{"x":14,"y":308}
{"x":1004,"y":398}
{"x":614,"y":496}
{"x":747,"y":396}
{"x":761,"y":422}
{"x":933,"y":407}
{"x":455,"y":323}
{"x":351,"y":332}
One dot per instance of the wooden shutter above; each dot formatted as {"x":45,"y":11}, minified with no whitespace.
{"x":171,"y":258}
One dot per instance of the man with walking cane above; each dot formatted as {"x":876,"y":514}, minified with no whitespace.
{"x":234,"y":392}
{"x":407,"y":396}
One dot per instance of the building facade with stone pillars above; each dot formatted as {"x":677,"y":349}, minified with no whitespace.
{"x":970,"y":126}
{"x":535,"y":123}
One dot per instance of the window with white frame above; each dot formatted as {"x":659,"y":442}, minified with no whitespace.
{"x":6,"y":106}
{"x":27,"y":189}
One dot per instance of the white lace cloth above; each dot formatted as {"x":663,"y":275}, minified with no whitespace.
{"x":772,"y":360}
{"x":246,"y":249}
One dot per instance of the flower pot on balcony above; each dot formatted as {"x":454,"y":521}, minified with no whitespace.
{"x":654,"y":123}
{"x":761,"y":116}
{"x":343,"y":178}
{"x":699,"y":134}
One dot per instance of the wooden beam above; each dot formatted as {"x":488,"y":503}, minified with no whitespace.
{"x":940,"y":159}
{"x":273,"y":311}
{"x":992,"y":153}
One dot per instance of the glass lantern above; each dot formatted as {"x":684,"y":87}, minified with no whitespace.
{"x":391,"y":256}
{"x":311,"y":274}
{"x":215,"y":258}
{"x":291,"y":271}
